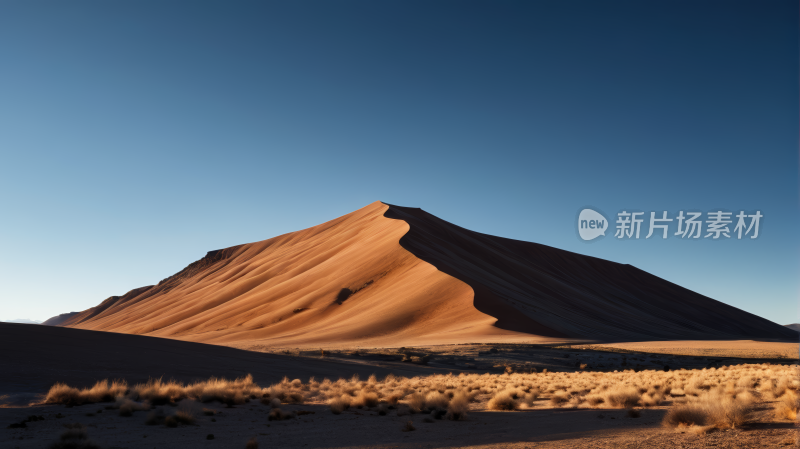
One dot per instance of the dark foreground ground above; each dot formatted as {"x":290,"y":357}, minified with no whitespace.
{"x":233,"y":427}
{"x":34,"y":357}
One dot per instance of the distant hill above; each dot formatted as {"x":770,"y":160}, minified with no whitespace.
{"x":23,"y":321}
{"x":390,"y":275}
{"x":794,"y":327}
{"x":56,"y":320}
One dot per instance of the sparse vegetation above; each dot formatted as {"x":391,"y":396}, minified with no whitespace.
{"x":503,"y":400}
{"x":102,"y":391}
{"x":711,"y":398}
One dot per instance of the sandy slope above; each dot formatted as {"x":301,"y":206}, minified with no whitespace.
{"x":417,"y":280}
{"x":283,"y":291}
{"x":35,"y":357}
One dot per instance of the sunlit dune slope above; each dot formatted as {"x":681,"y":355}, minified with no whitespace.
{"x":413,"y":279}
{"x":286,"y":291}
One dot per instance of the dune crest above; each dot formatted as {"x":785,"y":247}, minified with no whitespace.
{"x":286,"y":291}
{"x":392,"y":276}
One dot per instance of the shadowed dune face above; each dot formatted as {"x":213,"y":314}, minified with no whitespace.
{"x":393,"y":276}
{"x":559,"y":293}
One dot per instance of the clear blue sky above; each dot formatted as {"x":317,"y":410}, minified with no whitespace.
{"x":137,"y":135}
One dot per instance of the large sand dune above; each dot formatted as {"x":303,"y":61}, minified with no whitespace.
{"x":413,"y":279}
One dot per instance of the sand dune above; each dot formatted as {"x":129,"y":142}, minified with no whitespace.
{"x":794,"y":327}
{"x":59,"y":319}
{"x":43,"y":355}
{"x":393,"y":276}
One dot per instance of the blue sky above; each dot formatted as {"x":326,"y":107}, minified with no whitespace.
{"x":136,"y":136}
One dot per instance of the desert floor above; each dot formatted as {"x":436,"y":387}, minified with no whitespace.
{"x":35,"y":357}
{"x":233,"y":427}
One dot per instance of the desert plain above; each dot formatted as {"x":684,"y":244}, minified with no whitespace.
{"x":389,"y":327}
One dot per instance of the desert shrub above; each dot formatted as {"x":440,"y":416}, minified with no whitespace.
{"x":62,"y":394}
{"x":559,"y":398}
{"x":157,"y":392}
{"x":458,"y":407}
{"x":416,"y":403}
{"x":595,"y":399}
{"x":687,"y":415}
{"x":365,"y":399}
{"x":393,"y":398}
{"x":532,"y":395}
{"x":184,"y":418}
{"x":788,"y":406}
{"x":623,"y":397}
{"x":651,"y":400}
{"x":677,"y":392}
{"x":503,"y":401}
{"x":730,"y":413}
{"x":339,"y":404}
{"x":766,"y":389}
{"x":102,"y":391}
{"x":187,"y":411}
{"x":294,"y":397}
{"x":436,"y":400}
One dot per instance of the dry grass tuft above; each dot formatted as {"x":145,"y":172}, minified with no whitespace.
{"x":559,"y":398}
{"x":686,"y":415}
{"x":339,"y":404}
{"x":458,"y":407}
{"x":416,"y":403}
{"x":436,"y":400}
{"x":503,"y":401}
{"x":788,"y":406}
{"x":730,"y":413}
{"x":719,"y":410}
{"x":365,"y":399}
{"x":623,"y":397}
{"x":102,"y":391}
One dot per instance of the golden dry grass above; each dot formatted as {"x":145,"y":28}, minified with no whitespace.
{"x":716,"y":397}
